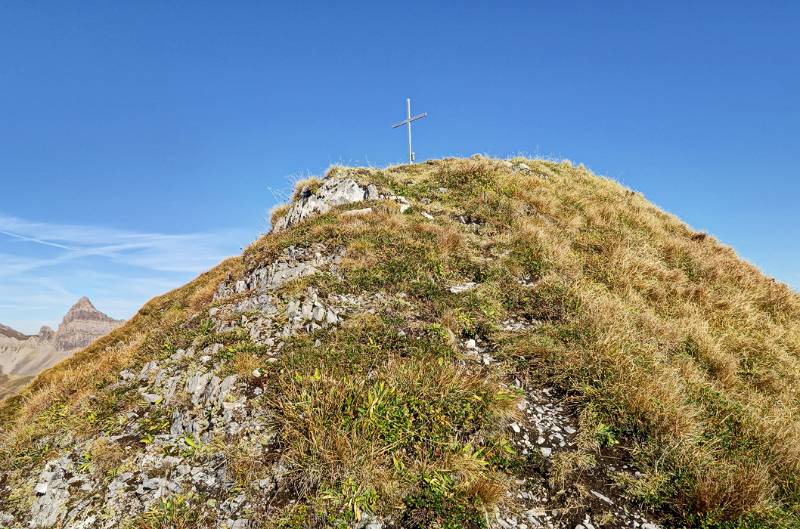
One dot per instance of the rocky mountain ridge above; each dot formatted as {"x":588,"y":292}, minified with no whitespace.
{"x":22,"y":357}
{"x":8,"y":332}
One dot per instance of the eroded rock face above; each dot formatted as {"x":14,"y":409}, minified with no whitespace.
{"x":333,"y":192}
{"x":199,"y":401}
{"x":52,"y":492}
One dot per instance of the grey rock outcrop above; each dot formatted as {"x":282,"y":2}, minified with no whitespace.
{"x":52,"y":493}
{"x":333,"y":192}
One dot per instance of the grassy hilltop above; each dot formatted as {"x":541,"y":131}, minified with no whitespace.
{"x":494,"y":298}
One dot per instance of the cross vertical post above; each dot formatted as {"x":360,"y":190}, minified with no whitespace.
{"x":409,"y":119}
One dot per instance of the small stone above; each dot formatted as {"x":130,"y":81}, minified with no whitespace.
{"x":602,"y":497}
{"x":151,"y":398}
{"x":152,"y":484}
{"x":356,"y":212}
{"x":146,"y":369}
{"x":470,"y":344}
{"x":41,"y":488}
{"x":306,"y":310}
{"x":545,"y":451}
{"x":330,"y":317}
{"x":515,"y":427}
{"x":457,"y":289}
{"x":427,"y":215}
{"x":372,"y":193}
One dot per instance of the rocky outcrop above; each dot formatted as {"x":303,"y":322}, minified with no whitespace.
{"x":22,"y":357}
{"x":333,"y":192}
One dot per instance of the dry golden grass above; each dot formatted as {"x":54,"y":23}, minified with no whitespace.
{"x":307,"y":186}
{"x":671,"y":336}
{"x":278,"y":212}
{"x":106,"y":455}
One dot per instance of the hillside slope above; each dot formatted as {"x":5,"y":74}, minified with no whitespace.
{"x":459,"y":343}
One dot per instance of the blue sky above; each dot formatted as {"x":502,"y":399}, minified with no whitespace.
{"x":141,"y":142}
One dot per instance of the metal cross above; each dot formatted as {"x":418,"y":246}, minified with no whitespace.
{"x":408,"y":121}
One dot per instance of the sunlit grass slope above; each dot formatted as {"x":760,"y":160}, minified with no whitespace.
{"x":686,"y":353}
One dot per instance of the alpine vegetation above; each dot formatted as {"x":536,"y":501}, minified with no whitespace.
{"x":462,"y":343}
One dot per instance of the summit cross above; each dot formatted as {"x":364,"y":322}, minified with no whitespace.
{"x":407,"y":121}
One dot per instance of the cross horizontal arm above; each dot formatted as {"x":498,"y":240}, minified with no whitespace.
{"x":409,"y":120}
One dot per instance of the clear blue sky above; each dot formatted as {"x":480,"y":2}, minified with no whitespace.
{"x":140,"y":140}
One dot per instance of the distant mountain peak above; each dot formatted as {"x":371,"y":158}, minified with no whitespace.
{"x":83,"y":309}
{"x":22,"y":357}
{"x":83,"y":302}
{"x":81,"y":325}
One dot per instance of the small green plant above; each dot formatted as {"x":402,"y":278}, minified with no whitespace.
{"x":85,"y":463}
{"x":156,"y":422}
{"x":605,"y":435}
{"x":350,"y":499}
{"x":189,"y":445}
{"x":438,"y":503}
{"x":176,"y":512}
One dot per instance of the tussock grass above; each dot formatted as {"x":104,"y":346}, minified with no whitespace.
{"x":678,"y":343}
{"x":305,"y":186}
{"x":415,"y":415}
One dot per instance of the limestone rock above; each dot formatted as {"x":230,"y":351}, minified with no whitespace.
{"x":333,"y":192}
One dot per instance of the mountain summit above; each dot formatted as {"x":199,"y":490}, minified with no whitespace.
{"x":461,"y":343}
{"x":22,"y":357}
{"x":81,"y":325}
